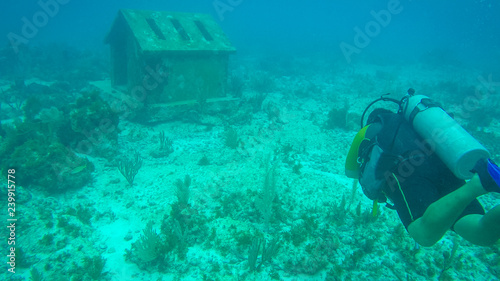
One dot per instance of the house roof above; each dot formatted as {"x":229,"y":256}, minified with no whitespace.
{"x":160,"y":31}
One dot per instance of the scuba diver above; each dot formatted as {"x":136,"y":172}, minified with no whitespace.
{"x":418,"y":159}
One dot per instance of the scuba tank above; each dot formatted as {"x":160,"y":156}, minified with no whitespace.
{"x":452,"y":143}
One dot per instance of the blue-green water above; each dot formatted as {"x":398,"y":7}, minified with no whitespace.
{"x":197,"y":166}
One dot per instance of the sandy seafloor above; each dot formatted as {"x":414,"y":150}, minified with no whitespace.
{"x":339,"y":244}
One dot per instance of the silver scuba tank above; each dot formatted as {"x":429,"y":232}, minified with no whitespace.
{"x":452,"y":143}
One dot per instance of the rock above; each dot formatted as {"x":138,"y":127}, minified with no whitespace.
{"x":353,"y":120}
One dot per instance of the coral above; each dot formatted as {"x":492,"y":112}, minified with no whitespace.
{"x":47,"y":239}
{"x":257,"y":100}
{"x":31,"y":108}
{"x":84,"y":214}
{"x":307,"y":263}
{"x":231,"y":139}
{"x":296,"y":168}
{"x":182,"y":191}
{"x":265,"y":202}
{"x":449,"y":258}
{"x":52,"y":119}
{"x":174,"y":235}
{"x":69,"y":228}
{"x":253,"y":254}
{"x":52,"y":167}
{"x":92,"y":114}
{"x":297,"y":235}
{"x":204,"y":161}
{"x":153,"y":249}
{"x":147,"y":248}
{"x":94,"y":267}
{"x":183,"y":228}
{"x":269,"y":250}
{"x":337,"y":117}
{"x":23,"y":259}
{"x":130,"y":167}
{"x":165,"y":147}
{"x":165,"y":143}
{"x":16,"y":134}
{"x":36,"y":275}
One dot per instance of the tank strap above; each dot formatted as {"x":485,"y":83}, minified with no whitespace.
{"x":423,"y":105}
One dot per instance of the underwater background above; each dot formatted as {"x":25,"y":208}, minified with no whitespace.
{"x":109,"y":186}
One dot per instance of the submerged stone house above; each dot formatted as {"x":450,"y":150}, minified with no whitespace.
{"x":168,"y":57}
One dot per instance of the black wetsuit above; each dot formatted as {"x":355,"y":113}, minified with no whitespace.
{"x":415,"y":176}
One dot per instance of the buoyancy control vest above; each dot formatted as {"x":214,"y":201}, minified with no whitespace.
{"x":389,"y":141}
